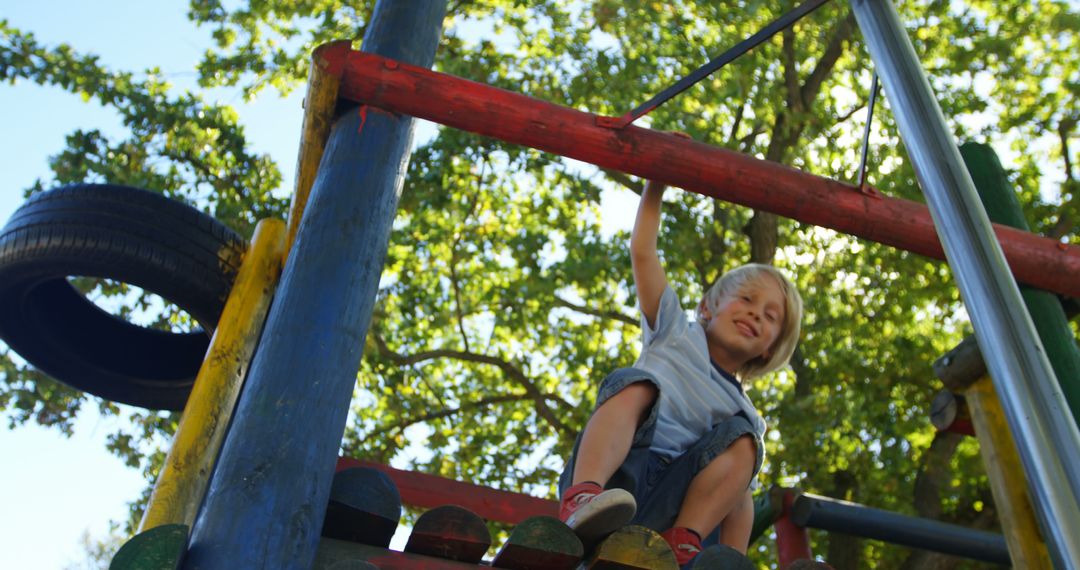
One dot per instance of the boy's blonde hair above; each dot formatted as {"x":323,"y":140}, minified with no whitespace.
{"x":781,"y":350}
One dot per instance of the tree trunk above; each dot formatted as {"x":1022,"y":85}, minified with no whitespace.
{"x":845,"y":551}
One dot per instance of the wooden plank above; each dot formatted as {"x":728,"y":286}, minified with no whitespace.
{"x":633,"y":548}
{"x":450,"y":532}
{"x":364,"y":507}
{"x":387,"y":84}
{"x":429,"y":491}
{"x":540,"y":543}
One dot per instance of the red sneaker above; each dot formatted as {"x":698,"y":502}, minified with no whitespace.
{"x":593,"y":512}
{"x":685,"y":543}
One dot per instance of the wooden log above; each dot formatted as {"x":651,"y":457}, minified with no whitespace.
{"x":961,"y":366}
{"x":332,"y":552}
{"x":633,"y":548}
{"x":450,"y":532}
{"x":364,"y":507}
{"x":180,"y":487}
{"x":711,"y":171}
{"x":1008,"y":483}
{"x":266,"y":502}
{"x":721,"y":557}
{"x":324,"y":76}
{"x":540,"y":543}
{"x":160,"y":548}
{"x":949,"y":412}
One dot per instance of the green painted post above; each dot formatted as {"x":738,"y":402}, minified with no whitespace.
{"x":1003,"y":207}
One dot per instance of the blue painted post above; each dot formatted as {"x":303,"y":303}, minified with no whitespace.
{"x":268,"y":495}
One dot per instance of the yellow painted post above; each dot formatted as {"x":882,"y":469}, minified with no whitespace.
{"x":962,"y":370}
{"x":322,"y":95}
{"x":184,"y":477}
{"x":1007,"y":480}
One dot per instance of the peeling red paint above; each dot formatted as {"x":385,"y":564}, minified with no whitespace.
{"x":362,"y":110}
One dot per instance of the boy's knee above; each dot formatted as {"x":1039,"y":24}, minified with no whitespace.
{"x":740,"y":454}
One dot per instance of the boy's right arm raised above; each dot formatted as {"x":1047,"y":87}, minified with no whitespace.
{"x":649,"y":275}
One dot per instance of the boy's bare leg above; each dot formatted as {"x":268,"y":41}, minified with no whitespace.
{"x":610,"y":432}
{"x":718,"y":490}
{"x":737,"y":526}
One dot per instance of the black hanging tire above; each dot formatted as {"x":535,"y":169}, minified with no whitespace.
{"x":124,"y":234}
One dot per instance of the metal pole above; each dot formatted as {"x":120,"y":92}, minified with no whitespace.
{"x":269,"y":493}
{"x":813,"y":511}
{"x":1047,"y":438}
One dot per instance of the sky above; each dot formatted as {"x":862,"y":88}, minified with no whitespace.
{"x":54,"y":488}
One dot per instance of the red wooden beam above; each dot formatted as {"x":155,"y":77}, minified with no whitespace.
{"x":694,"y":166}
{"x":430,"y":491}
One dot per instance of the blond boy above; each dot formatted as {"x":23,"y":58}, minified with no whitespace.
{"x":674,"y":440}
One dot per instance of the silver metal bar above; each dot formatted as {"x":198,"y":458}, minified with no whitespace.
{"x":1042,"y":425}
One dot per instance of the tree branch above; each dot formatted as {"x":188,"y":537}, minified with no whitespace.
{"x":601,"y":314}
{"x":825,"y":65}
{"x":791,"y":73}
{"x":510,"y":370}
{"x":459,"y":314}
{"x":1065,"y":128}
{"x":404,"y":423}
{"x":1064,"y":224}
{"x":733,"y":137}
{"x":625,"y":179}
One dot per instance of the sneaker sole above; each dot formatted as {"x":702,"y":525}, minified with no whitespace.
{"x":603,"y":515}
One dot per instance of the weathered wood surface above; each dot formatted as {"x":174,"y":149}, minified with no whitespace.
{"x":364,"y":507}
{"x":721,"y":557}
{"x":450,"y":532}
{"x":632,"y":548}
{"x":949,"y":412}
{"x":332,"y":552}
{"x":540,"y":543}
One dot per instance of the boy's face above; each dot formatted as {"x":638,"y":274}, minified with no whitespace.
{"x":746,"y":323}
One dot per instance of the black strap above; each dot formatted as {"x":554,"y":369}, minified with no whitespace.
{"x":707,"y":69}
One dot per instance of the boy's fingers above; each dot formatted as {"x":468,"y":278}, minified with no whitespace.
{"x":681,"y":135}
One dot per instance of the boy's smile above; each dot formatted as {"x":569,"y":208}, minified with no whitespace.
{"x":745,"y":324}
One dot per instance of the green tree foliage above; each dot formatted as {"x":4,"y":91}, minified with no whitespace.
{"x":507,"y":295}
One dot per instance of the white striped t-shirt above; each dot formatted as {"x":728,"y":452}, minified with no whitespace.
{"x":694,"y":396}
